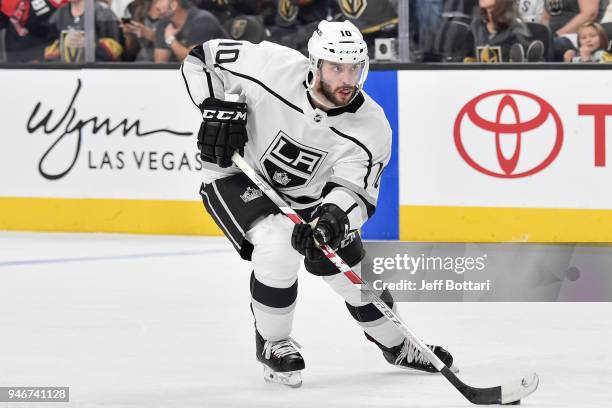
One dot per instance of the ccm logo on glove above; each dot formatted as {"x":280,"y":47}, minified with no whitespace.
{"x":224,"y":115}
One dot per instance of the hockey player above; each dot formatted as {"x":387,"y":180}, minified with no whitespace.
{"x":307,"y":126}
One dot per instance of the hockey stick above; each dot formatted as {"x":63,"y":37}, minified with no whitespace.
{"x":510,"y":393}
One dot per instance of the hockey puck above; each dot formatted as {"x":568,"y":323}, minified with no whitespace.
{"x":572,"y":274}
{"x":513,"y":403}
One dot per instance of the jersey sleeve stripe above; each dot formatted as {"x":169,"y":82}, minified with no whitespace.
{"x":197,"y":56}
{"x":352,"y":196}
{"x":351,"y":208}
{"x":365,"y":149}
{"x":378,"y":174}
{"x":348,"y":201}
{"x":360,"y":194}
{"x":209,"y":81}
{"x":187,"y":86}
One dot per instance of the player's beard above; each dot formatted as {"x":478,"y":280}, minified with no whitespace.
{"x":334,"y":97}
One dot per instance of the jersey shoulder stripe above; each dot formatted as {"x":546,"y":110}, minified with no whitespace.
{"x":264,"y":86}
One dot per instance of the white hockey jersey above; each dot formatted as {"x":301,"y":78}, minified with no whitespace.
{"x":309,"y":155}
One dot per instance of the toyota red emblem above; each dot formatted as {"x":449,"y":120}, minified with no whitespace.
{"x":524,"y":128}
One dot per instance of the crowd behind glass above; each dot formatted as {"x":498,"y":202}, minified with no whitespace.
{"x":157,"y":31}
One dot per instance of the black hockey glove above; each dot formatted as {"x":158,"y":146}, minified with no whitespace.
{"x":331,"y":228}
{"x":222,"y":131}
{"x":302,"y":240}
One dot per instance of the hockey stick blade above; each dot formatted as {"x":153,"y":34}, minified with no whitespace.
{"x":503,"y":394}
{"x":508,"y":393}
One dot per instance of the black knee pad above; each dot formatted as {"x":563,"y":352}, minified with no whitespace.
{"x":274,"y":298}
{"x":351,"y":251}
{"x":368,"y":312}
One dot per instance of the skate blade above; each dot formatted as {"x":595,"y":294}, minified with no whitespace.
{"x":291,"y":379}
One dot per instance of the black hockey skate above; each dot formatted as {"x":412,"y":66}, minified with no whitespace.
{"x":281,"y":361}
{"x":406,"y":355}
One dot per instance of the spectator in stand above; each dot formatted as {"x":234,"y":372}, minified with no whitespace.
{"x":566,"y":16}
{"x":181,"y":27}
{"x":592,"y":45}
{"x":27,"y":27}
{"x":496,"y":32}
{"x":532,"y":11}
{"x":138,"y":28}
{"x":425,"y":17}
{"x":67,"y":25}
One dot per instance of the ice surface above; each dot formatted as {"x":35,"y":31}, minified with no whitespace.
{"x":162,"y":321}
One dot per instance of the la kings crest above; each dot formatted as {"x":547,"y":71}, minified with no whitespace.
{"x":289,"y":164}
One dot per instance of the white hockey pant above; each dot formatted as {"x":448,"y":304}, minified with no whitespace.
{"x":274,"y":285}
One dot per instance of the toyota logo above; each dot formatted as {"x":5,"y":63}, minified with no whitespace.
{"x":517,"y":143}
